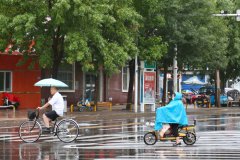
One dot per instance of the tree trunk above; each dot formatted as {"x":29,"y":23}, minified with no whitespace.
{"x":223,"y":81}
{"x":96,"y":92}
{"x":44,"y":90}
{"x":43,"y":73}
{"x":55,"y":68}
{"x":217,"y":89}
{"x":58,"y":51}
{"x":130,"y":86}
{"x":164,"y":98}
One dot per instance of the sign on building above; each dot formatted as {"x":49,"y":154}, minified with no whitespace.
{"x":148,"y":85}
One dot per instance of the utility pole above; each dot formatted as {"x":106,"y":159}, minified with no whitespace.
{"x":217,"y":75}
{"x":175,"y":70}
{"x":136,"y":85}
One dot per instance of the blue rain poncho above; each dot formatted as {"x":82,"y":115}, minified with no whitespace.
{"x":174,"y":112}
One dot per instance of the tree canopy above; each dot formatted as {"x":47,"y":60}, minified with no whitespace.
{"x":108,"y":33}
{"x":111,"y":32}
{"x":232,"y":71}
{"x":92,"y":32}
{"x":201,"y":39}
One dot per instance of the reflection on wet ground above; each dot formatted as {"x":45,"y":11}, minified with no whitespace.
{"x":218,"y":138}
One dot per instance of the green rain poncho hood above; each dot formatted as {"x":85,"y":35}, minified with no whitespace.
{"x":174,"y":112}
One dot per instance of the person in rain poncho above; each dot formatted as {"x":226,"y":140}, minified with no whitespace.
{"x":173,"y":114}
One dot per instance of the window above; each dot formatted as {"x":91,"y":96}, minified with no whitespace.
{"x":90,"y":86}
{"x":67,"y":75}
{"x":5,"y":81}
{"x":125,"y":78}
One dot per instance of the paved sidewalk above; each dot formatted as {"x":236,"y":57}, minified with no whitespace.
{"x":119,"y":135}
{"x":117,"y":113}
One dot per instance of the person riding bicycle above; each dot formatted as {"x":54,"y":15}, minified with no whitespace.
{"x":173,"y":114}
{"x":57,"y":104}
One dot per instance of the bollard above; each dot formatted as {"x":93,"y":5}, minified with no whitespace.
{"x":209,"y":105}
{"x":71,"y":108}
{"x":131,"y":108}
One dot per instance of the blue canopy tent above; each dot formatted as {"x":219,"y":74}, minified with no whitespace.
{"x":192,"y":82}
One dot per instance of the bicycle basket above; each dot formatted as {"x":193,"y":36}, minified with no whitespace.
{"x":31,"y":115}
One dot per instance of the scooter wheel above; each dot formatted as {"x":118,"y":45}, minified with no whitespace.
{"x":150,"y":138}
{"x":190,"y":138}
{"x":91,"y":109}
{"x":79,"y":104}
{"x":81,"y":109}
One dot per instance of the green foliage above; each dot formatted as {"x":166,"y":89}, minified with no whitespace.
{"x":152,"y":48}
{"x":232,"y":71}
{"x":201,"y":39}
{"x":108,"y":33}
{"x":150,"y":43}
{"x":93,"y":32}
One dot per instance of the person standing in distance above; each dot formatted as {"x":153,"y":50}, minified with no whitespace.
{"x":57,"y":104}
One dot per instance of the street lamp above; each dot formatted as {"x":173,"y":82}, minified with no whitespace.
{"x":226,"y":14}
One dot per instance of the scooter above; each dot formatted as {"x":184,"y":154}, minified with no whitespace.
{"x":202,"y":101}
{"x":10,"y":99}
{"x":84,"y":106}
{"x":186,"y":133}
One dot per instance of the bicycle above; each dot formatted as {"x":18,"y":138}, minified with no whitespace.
{"x":30,"y":131}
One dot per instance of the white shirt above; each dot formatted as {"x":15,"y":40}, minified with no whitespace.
{"x":57,"y":103}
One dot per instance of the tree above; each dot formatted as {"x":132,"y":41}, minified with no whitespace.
{"x":92,"y":32}
{"x":232,"y":71}
{"x":150,"y":45}
{"x":189,"y":24}
{"x":95,"y":33}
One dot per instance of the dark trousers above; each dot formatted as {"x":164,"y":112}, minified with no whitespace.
{"x":174,"y":127}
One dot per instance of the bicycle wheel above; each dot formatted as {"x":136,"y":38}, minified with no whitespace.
{"x":190,"y":138}
{"x":30,"y":131}
{"x":67,"y":130}
{"x":150,"y":138}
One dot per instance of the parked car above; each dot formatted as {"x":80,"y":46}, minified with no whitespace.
{"x":206,"y":90}
{"x":233,"y":97}
{"x":210,"y":91}
{"x":207,"y":93}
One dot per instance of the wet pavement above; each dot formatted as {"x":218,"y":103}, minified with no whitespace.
{"x":121,"y":137}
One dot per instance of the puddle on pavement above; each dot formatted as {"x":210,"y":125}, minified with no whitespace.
{"x":117,"y":133}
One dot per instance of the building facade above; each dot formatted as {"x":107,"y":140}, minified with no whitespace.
{"x":82,"y":85}
{"x":19,"y":80}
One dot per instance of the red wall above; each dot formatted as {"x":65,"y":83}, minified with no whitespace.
{"x":23,"y":80}
{"x":114,"y":87}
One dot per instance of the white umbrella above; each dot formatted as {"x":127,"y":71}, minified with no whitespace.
{"x":194,"y":80}
{"x":49,"y":82}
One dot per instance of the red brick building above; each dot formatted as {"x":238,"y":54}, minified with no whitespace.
{"x":19,"y":80}
{"x":82,"y":85}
